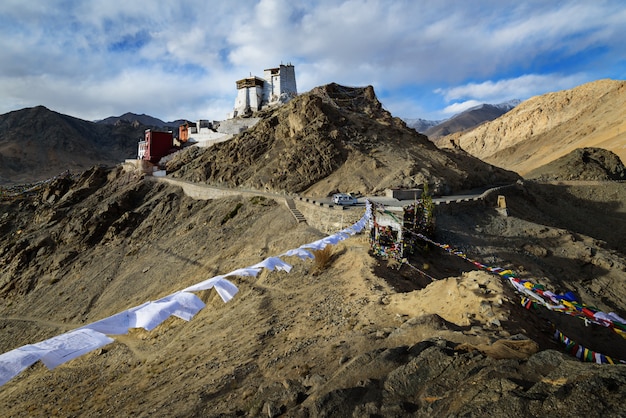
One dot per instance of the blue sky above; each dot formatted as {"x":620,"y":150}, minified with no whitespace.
{"x":172,"y":60}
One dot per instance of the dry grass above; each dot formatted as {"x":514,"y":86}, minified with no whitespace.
{"x":323,"y":259}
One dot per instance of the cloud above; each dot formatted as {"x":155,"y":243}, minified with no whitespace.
{"x":460,"y":107}
{"x":108,"y":56}
{"x":520,"y":87}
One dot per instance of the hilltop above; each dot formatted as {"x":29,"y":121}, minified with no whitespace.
{"x":544,"y":128}
{"x":334,"y":138}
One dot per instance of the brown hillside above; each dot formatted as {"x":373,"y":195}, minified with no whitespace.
{"x":359,"y":337}
{"x":333,"y":138}
{"x":549,"y":126}
{"x":353,"y":336}
{"x":37,"y":143}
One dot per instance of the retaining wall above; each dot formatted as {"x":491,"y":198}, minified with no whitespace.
{"x":327,"y":218}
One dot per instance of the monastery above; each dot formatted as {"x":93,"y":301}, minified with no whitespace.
{"x":276,"y":87}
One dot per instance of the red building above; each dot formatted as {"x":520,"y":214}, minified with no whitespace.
{"x":155,"y":145}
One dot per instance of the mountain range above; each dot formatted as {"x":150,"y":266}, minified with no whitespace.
{"x":37,"y":143}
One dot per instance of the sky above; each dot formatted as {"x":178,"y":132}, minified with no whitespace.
{"x":180,"y":59}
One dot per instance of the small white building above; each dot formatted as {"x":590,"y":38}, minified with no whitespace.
{"x":278,"y":85}
{"x":204,"y":133}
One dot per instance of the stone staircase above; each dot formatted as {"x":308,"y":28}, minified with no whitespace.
{"x":294,"y":211}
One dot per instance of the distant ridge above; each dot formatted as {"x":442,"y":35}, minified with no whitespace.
{"x":143,"y":119}
{"x":467,"y":119}
{"x":422,"y":125}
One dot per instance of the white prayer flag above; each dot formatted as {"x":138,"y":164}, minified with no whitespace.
{"x":117,"y":324}
{"x":16,"y":361}
{"x":204,"y":285}
{"x":223,"y":287}
{"x":316,"y":245}
{"x":182,"y":305}
{"x":65,"y":347}
{"x":299,"y":252}
{"x":273,"y":263}
{"x":248,"y":271}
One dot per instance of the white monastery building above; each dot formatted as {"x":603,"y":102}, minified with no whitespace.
{"x":278,"y":85}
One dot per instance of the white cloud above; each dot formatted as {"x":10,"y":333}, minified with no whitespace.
{"x":455,"y":108}
{"x":521,"y":87}
{"x":112,"y":55}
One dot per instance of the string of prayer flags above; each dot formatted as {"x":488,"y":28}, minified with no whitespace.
{"x":566,"y":303}
{"x":582,"y":353}
{"x":537,"y":294}
{"x":182,"y":304}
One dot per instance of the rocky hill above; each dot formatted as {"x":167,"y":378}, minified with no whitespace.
{"x":546,"y":127}
{"x":37,"y":143}
{"x":582,"y":164}
{"x":333,"y":138}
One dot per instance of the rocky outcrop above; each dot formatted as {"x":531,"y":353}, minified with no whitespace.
{"x":333,"y":138}
{"x":582,"y":164}
{"x":432,"y":378}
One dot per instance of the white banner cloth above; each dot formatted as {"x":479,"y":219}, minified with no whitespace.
{"x":65,"y":347}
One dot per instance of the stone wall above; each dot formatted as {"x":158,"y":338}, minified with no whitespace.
{"x":236,"y":126}
{"x":328,"y":218}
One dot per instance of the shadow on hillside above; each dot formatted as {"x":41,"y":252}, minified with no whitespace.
{"x":424,"y":266}
{"x":555,"y":206}
{"x":169,"y":253}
